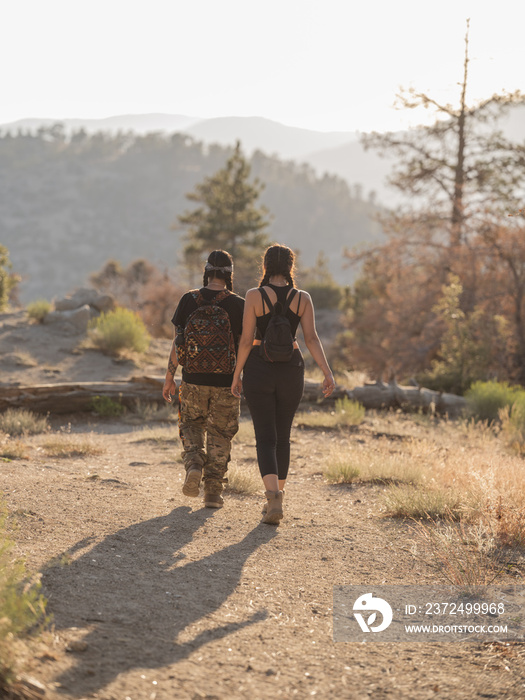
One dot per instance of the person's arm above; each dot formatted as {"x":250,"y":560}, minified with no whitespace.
{"x":170,"y":388}
{"x":246,"y":342}
{"x":315,"y":346}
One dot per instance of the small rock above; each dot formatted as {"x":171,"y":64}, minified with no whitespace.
{"x":33,"y":685}
{"x":77,"y":645}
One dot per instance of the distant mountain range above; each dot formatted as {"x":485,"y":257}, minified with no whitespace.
{"x":338,"y":153}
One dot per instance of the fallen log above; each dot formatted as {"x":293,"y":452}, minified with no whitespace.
{"x":408,"y":399}
{"x":77,"y":397}
{"x":72,"y":398}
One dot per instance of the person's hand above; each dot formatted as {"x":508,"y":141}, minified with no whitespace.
{"x":237,"y":387}
{"x":169,"y":389}
{"x":328,"y":385}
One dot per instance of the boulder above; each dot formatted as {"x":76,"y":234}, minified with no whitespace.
{"x":83,"y":296}
{"x":78,"y":318}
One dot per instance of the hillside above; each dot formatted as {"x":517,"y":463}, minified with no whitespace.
{"x":72,"y":203}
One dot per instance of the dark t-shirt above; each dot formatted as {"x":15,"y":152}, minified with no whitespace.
{"x":234,"y":305}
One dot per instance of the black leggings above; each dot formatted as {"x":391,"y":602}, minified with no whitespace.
{"x":273,"y":391}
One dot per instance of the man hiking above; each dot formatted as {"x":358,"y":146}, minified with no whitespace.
{"x":208,"y":325}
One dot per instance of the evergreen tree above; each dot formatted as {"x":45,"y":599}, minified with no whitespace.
{"x":8,"y":281}
{"x":227,"y":218}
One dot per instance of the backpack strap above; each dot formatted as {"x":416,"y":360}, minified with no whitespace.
{"x":266,"y":298}
{"x":200,"y":300}
{"x":221,"y":296}
{"x":288,"y":301}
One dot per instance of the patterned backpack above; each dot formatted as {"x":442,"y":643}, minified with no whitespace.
{"x":207,"y":344}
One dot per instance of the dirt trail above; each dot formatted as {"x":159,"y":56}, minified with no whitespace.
{"x":173,"y":600}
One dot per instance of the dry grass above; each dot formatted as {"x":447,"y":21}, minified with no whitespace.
{"x":373,"y":467}
{"x":243,"y":479}
{"x":465,"y":555}
{"x":71,"y":446}
{"x":13,"y":449}
{"x":16,"y":422}
{"x":457,"y":478}
{"x":21,"y":608}
{"x":346,"y":413}
{"x":153,"y":412}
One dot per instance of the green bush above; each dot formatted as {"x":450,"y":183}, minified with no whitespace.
{"x":106,"y":407}
{"x":38,"y":310}
{"x":325,"y":295}
{"x":119,"y":330}
{"x":486,"y":399}
{"x":350,"y":412}
{"x":21,"y":605}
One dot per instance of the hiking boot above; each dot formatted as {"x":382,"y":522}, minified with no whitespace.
{"x":274,"y":507}
{"x":213,"y":500}
{"x":265,"y":506}
{"x":192,"y":481}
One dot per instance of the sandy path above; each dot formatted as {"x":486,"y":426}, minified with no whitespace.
{"x":177,"y":601}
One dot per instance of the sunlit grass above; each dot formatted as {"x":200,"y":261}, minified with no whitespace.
{"x":243,"y":479}
{"x":345,"y":467}
{"x":345,"y":413}
{"x":13,"y":449}
{"x":21,"y":607}
{"x":19,"y":421}
{"x":71,"y":446}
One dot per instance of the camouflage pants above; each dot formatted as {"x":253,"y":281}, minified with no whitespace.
{"x":208,"y":420}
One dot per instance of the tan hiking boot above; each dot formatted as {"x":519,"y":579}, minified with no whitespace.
{"x":192,"y":481}
{"x":274,"y":507}
{"x":213,"y":500}
{"x":265,"y":506}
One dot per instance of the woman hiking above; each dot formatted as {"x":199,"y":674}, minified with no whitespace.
{"x":208,"y":325}
{"x":273,"y":388}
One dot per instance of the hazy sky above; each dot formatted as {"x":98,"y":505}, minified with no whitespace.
{"x":320,"y":64}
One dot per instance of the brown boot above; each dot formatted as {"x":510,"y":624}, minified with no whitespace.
{"x":192,"y":481}
{"x":274,"y":507}
{"x":213,"y":500}
{"x":265,"y":506}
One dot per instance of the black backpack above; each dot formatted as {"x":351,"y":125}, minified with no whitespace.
{"x":277,"y":344}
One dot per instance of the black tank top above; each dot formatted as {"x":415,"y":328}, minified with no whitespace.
{"x":262,"y":321}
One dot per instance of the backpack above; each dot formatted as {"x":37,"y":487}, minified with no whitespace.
{"x":206,"y":345}
{"x":277,"y":344}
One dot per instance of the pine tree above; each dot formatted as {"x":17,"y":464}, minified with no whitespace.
{"x":227,"y":218}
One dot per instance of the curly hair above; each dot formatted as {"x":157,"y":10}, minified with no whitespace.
{"x":217,"y":267}
{"x":278,"y":260}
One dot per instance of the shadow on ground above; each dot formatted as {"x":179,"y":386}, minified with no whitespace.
{"x":136,"y":595}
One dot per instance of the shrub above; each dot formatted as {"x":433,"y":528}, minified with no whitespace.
{"x":18,"y":421}
{"x":38,"y":310}
{"x":349,"y":412}
{"x":513,"y":423}
{"x":119,"y":330}
{"x":107,"y":408}
{"x":486,"y":399}
{"x":21,"y":606}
